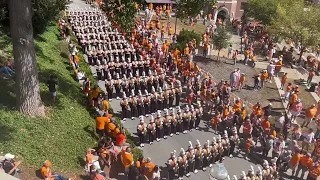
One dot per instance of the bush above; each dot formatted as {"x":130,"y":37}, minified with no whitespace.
{"x":185,"y":36}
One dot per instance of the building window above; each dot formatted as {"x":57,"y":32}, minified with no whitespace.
{"x":242,"y":5}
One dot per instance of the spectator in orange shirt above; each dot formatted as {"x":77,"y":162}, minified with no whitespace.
{"x":314,"y":172}
{"x":263,"y":77}
{"x":47,"y":174}
{"x":306,"y":162}
{"x":266,"y":124}
{"x":101,"y":121}
{"x":284,"y":80}
{"x":148,"y":167}
{"x":126,"y":159}
{"x":310,"y":115}
{"x":294,"y":162}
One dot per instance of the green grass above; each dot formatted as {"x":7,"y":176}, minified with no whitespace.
{"x":67,"y":131}
{"x":63,"y":136}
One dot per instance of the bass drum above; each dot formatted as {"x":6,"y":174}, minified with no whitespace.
{"x":218,"y":172}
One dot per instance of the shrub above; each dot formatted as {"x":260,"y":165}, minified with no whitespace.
{"x":185,"y":36}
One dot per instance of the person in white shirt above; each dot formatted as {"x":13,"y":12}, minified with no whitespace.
{"x":279,"y":123}
{"x":308,"y":138}
{"x":156,"y":173}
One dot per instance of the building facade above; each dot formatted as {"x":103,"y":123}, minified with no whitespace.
{"x":231,"y":9}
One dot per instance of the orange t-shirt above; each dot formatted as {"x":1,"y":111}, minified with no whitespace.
{"x":311,"y":112}
{"x":306,"y":162}
{"x":293,"y":99}
{"x":186,"y":51}
{"x":126,"y":158}
{"x":265,"y":124}
{"x":244,"y":114}
{"x":110,"y":128}
{"x":314,"y":172}
{"x":46,"y":173}
{"x":101,"y":122}
{"x":76,"y":59}
{"x":295,"y":159}
{"x":264,"y":76}
{"x":237,"y":107}
{"x":148,"y":169}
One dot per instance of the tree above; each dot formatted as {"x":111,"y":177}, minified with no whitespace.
{"x":191,"y":8}
{"x":263,"y":10}
{"x":28,"y":91}
{"x":221,"y":39}
{"x":121,"y":12}
{"x":43,"y":12}
{"x":298,"y":22}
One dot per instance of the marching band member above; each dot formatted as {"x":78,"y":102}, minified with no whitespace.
{"x":167,"y":124}
{"x":159,"y":126}
{"x":118,"y":86}
{"x":178,"y":93}
{"x":220,"y":149}
{"x":140,"y":104}
{"x":199,"y":113}
{"x":198,"y":157}
{"x":206,"y":155}
{"x":251,"y":175}
{"x":146,"y":103}
{"x":234,"y":141}
{"x":259,"y":175}
{"x":179,"y":122}
{"x":213,"y":151}
{"x":173,"y":123}
{"x":243,"y":176}
{"x":142,"y":130}
{"x":171,"y":96}
{"x":266,"y":170}
{"x":186,"y":119}
{"x":152,"y":130}
{"x":154,"y":101}
{"x":133,"y":105}
{"x":125,"y":107}
{"x":273,"y":168}
{"x":226,"y":144}
{"x":109,"y":86}
{"x":160,"y":99}
{"x":183,"y":164}
{"x":172,"y":165}
{"x":191,"y":160}
{"x":165,"y":97}
{"x":192,"y":118}
{"x":125,"y":85}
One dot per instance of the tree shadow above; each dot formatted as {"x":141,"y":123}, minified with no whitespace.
{"x":91,"y":132}
{"x":7,"y":93}
{"x":65,"y":86}
{"x":38,"y":174}
{"x":81,"y":161}
{"x":6,"y":132}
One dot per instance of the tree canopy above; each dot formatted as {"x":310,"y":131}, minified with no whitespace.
{"x":298,"y":22}
{"x":43,"y":12}
{"x":192,"y":8}
{"x":121,"y":12}
{"x":221,"y":38}
{"x":263,"y":10}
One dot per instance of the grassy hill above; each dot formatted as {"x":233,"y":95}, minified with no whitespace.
{"x":68,"y":130}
